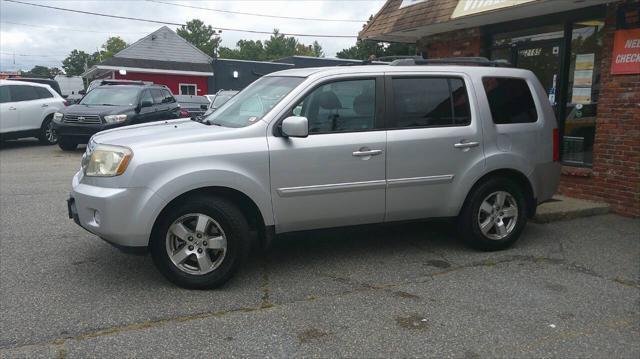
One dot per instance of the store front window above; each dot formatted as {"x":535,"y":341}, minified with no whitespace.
{"x":584,"y":88}
{"x":541,"y":50}
{"x":538,"y":50}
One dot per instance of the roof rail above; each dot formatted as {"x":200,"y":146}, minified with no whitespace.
{"x":396,"y":57}
{"x":364,"y":62}
{"x":462,"y":61}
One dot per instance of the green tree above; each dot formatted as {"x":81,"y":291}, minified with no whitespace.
{"x":317,"y":49}
{"x":364,"y":49}
{"x":113,"y":45}
{"x":277,"y":46}
{"x":200,"y":35}
{"x":38,"y":71}
{"x":55,"y":71}
{"x":77,"y":61}
{"x":245,"y":50}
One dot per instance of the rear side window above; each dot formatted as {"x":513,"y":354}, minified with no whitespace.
{"x":426,"y":102}
{"x":168,"y":97}
{"x":146,"y":96}
{"x":4,"y":94}
{"x":43,"y":92}
{"x":510,"y":100}
{"x":23,"y":93}
{"x":158,"y":96}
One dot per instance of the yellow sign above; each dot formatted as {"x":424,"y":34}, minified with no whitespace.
{"x":472,"y":7}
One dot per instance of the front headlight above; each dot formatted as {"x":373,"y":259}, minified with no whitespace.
{"x":115,"y":118}
{"x":107,"y":161}
{"x":57,"y":117}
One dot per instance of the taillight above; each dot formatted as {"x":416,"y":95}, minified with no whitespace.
{"x":556,"y":145}
{"x":184,"y":113}
{"x":66,"y":103}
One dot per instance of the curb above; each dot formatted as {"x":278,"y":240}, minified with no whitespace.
{"x":564,"y":208}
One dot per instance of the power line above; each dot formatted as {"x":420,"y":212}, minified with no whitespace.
{"x":172,"y":23}
{"x":28,"y":55}
{"x":255,"y":14}
{"x":75,"y":29}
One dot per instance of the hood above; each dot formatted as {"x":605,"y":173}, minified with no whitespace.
{"x":78,"y":109}
{"x":158,"y":133}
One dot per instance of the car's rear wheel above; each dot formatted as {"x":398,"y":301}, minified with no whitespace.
{"x":66,"y":144}
{"x":48,"y":134}
{"x":494,"y":215}
{"x":200,"y":242}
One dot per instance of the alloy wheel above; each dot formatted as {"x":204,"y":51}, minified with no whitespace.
{"x":498,"y":215}
{"x":50,"y":133}
{"x":196,"y":244}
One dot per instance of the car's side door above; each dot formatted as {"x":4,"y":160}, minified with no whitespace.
{"x":161,"y":106}
{"x":29,"y":107}
{"x":434,"y":142}
{"x":173,"y":109}
{"x":8,"y":110}
{"x":147,"y":107}
{"x":336,"y":175}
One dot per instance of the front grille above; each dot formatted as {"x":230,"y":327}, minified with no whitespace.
{"x":82,"y":119}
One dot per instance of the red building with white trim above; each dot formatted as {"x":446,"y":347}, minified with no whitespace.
{"x":161,"y":57}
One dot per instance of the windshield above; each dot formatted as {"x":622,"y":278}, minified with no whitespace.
{"x":220,"y":100}
{"x":250,"y":104}
{"x":112,"y":96}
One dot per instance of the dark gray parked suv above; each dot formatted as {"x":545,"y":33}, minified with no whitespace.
{"x":111,"y":106}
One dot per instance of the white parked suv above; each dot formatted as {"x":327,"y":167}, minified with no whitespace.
{"x":324,"y":147}
{"x":26,"y":110}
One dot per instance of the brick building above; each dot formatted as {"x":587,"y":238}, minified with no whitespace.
{"x":586,"y":53}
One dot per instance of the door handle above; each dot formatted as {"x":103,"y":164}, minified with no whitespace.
{"x":44,"y":105}
{"x":12,"y":108}
{"x":464,"y":144}
{"x":367,"y":153}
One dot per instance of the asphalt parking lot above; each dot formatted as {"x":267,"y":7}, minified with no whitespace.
{"x":568,"y":289}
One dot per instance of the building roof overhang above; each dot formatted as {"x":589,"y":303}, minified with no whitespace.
{"x":439,"y":16}
{"x":97,"y":70}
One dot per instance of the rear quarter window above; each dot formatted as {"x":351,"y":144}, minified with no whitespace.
{"x":510,"y":100}
{"x":43,"y":92}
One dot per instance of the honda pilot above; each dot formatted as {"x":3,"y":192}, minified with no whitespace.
{"x":107,"y":107}
{"x":313,"y":148}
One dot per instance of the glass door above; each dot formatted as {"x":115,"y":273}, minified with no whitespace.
{"x":543,"y":59}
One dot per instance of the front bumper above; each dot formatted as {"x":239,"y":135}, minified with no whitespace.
{"x":81,"y":132}
{"x":123,"y":217}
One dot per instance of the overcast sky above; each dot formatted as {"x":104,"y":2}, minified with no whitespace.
{"x":41,"y":36}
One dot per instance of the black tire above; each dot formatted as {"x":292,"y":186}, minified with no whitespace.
{"x":67,"y":145}
{"x":232,"y":222}
{"x":46,"y":137}
{"x":468,"y":221}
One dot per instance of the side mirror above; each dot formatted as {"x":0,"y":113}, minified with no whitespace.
{"x":146,"y":103}
{"x":82,"y":92}
{"x":295,"y":126}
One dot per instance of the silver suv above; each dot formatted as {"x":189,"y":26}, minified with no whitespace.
{"x":324,"y":147}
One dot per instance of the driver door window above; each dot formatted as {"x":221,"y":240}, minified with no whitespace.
{"x":342,"y":106}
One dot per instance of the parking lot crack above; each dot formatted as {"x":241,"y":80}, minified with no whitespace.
{"x":265,"y":286}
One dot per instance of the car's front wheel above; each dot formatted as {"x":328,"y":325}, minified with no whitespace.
{"x":200,"y":242}
{"x":48,"y":134}
{"x":67,"y":145}
{"x":494,"y":215}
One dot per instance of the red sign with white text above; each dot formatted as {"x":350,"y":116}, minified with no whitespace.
{"x":626,"y":52}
